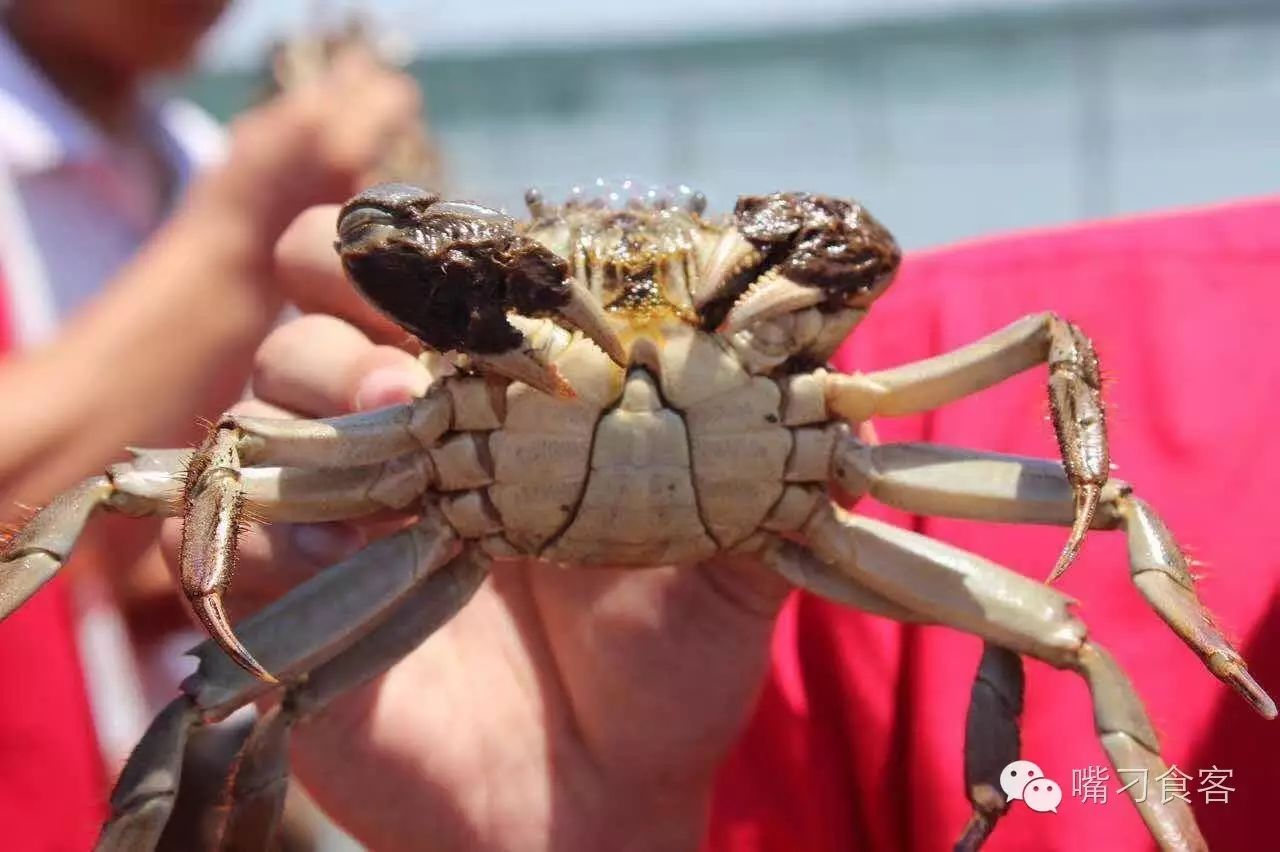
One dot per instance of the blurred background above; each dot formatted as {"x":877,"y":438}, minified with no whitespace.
{"x":948,"y":118}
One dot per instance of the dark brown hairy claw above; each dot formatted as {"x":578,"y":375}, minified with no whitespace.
{"x":820,"y":241}
{"x":448,"y":272}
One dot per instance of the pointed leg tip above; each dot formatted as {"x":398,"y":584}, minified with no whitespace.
{"x":975,"y":833}
{"x":213,"y":616}
{"x":1064,"y":562}
{"x":1252,"y":691}
{"x":1087,"y":496}
{"x":1228,"y":667}
{"x":988,"y":806}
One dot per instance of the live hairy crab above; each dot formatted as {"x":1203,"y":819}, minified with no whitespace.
{"x":634,"y":384}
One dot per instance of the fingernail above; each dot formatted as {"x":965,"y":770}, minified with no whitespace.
{"x":325,"y":544}
{"x":389,"y":386}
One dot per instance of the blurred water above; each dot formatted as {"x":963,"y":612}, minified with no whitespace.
{"x":946,"y":128}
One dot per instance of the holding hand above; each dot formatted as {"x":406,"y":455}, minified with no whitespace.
{"x":314,"y":143}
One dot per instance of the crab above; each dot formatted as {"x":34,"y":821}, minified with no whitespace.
{"x":633,"y":384}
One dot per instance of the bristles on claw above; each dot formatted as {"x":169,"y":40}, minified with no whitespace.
{"x":251,"y":515}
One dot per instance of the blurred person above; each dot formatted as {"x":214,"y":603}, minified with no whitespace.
{"x":412,"y":157}
{"x":136,"y":278}
{"x":601,"y":709}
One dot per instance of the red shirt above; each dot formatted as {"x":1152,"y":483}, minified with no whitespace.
{"x":52,"y":784}
{"x":858,"y":739}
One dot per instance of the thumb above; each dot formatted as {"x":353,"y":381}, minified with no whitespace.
{"x":386,"y":376}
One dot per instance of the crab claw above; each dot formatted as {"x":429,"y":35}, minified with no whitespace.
{"x":585,"y":313}
{"x":803,"y":251}
{"x":774,"y":295}
{"x":730,"y":257}
{"x":458,"y":275}
{"x":524,"y":366}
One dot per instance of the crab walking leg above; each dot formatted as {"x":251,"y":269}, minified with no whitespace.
{"x":207,"y":762}
{"x":991,"y":730}
{"x":218,"y":489}
{"x":799,"y":566}
{"x":148,"y":785}
{"x":950,"y":586}
{"x":935,"y":480}
{"x":991,"y":740}
{"x":461,"y":403}
{"x":301,"y":632}
{"x":1075,"y":398}
{"x":150,"y":484}
{"x":323,"y":616}
{"x":262,"y":776}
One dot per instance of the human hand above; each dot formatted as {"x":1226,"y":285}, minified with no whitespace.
{"x":566,"y":709}
{"x":313,"y":143}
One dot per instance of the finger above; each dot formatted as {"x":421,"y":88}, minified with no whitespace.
{"x":319,"y":366}
{"x":351,"y":65}
{"x":388,"y":106}
{"x":303,"y":365}
{"x":311,"y":276}
{"x":867,"y":432}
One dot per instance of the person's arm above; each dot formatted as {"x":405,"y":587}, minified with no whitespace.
{"x":173,"y":331}
{"x":171,"y":337}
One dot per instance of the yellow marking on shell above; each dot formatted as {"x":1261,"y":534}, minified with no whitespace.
{"x":639,"y":262}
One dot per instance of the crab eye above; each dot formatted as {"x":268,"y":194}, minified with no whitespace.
{"x":385,"y":204}
{"x":355,"y":220}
